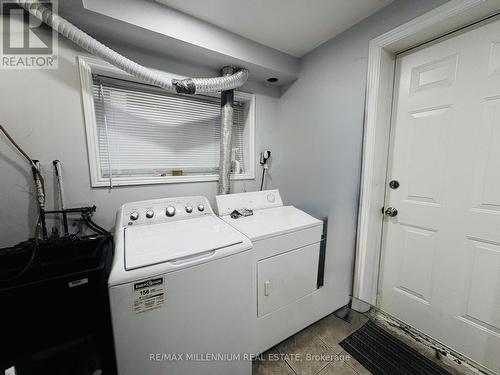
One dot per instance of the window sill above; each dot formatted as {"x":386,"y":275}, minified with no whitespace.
{"x":130,"y":181}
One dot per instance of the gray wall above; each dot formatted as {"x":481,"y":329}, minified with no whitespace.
{"x":42,"y":110}
{"x":314,"y":131}
{"x":321,"y":117}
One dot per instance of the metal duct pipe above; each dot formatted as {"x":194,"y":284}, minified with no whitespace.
{"x":169,"y":83}
{"x":226,"y":127}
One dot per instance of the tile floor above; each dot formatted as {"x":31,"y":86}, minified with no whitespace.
{"x":314,"y":350}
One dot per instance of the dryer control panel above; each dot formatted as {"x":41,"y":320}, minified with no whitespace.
{"x":254,"y":200}
{"x":164,"y":210}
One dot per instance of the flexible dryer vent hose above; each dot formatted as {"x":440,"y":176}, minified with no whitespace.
{"x":185,"y":86}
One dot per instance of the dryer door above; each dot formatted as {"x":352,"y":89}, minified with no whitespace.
{"x":285,"y":278}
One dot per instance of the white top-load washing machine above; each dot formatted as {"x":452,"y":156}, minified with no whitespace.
{"x":180,"y":290}
{"x":290,"y":292}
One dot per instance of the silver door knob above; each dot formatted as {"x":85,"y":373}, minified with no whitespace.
{"x":391,"y":211}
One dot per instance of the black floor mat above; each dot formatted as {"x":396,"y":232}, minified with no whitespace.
{"x":383,"y":354}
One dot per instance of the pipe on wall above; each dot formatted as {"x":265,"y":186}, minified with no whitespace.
{"x":231,"y":78}
{"x":226,"y":127}
{"x":169,"y":83}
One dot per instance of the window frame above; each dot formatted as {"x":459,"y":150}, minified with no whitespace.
{"x":89,"y":66}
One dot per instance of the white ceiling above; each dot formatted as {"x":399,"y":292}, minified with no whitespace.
{"x":292,"y":26}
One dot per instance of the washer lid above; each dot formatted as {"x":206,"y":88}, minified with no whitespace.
{"x":170,"y":242}
{"x":272,"y":222}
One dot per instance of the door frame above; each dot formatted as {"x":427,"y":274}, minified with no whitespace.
{"x":447,"y":18}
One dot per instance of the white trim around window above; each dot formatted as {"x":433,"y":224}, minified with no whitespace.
{"x":89,"y":66}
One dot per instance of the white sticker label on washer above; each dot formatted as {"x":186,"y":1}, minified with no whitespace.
{"x":148,"y":294}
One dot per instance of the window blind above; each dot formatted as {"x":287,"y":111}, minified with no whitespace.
{"x":145,"y":131}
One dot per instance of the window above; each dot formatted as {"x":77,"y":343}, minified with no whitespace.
{"x":140,"y":134}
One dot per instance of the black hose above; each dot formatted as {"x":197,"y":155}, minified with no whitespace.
{"x":104,"y":231}
{"x":86,"y":216}
{"x":93,"y":226}
{"x":90,"y":226}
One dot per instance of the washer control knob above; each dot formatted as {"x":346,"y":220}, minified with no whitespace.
{"x":134,"y":215}
{"x":201,"y":208}
{"x":150,"y":214}
{"x":170,"y":211}
{"x":189,"y":209}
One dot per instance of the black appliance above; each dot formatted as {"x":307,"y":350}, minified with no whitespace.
{"x":54,"y":315}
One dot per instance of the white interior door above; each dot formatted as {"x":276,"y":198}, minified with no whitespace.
{"x":441,"y":253}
